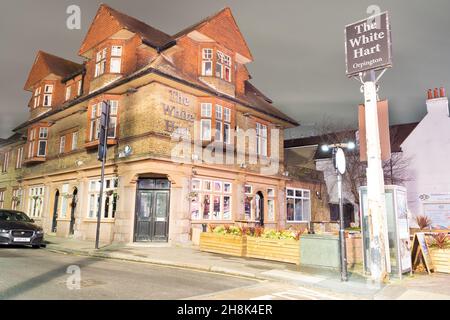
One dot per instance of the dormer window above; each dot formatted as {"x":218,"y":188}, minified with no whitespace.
{"x":116,"y":59}
{"x":100,"y":62}
{"x":48,"y":93}
{"x":207,"y":63}
{"x":37,"y":97}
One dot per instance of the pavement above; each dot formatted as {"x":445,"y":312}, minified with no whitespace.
{"x":418,"y":286}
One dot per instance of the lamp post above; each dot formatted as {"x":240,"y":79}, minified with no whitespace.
{"x":340,"y":166}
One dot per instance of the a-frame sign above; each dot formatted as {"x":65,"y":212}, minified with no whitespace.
{"x":421,"y":253}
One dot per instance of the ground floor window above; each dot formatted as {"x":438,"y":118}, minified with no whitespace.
{"x":271,"y":204}
{"x":110,"y":198}
{"x":16,"y":200}
{"x":36,"y":201}
{"x":298,"y":205}
{"x":65,"y":195}
{"x":211,"y":199}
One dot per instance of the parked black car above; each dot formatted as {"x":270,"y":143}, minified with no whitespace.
{"x":16,"y":228}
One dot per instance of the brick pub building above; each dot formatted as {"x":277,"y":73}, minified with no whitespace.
{"x":156,"y":84}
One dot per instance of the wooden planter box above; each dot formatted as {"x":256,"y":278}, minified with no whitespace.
{"x":440,"y":259}
{"x":277,"y":250}
{"x":223,"y":244}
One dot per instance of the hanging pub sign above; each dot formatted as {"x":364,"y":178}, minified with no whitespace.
{"x":368,"y":45}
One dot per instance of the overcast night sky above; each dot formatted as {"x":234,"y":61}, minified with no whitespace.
{"x":298,"y":48}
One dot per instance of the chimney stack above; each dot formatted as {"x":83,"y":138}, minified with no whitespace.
{"x":436,"y":93}
{"x":442,"y":92}
{"x":430,"y":94}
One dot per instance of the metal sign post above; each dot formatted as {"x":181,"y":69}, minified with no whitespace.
{"x":368,"y":48}
{"x":102,"y":151}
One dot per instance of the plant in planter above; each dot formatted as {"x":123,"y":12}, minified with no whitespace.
{"x":440,"y":252}
{"x":224,"y":240}
{"x":423,"y":222}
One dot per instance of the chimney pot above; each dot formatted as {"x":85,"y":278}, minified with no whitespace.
{"x":436,"y":93}
{"x":442,"y":92}
{"x":430,"y":94}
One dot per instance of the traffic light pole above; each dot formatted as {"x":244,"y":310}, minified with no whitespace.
{"x":103,"y":146}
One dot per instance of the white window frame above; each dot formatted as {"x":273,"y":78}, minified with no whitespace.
{"x":17,"y":204}
{"x":207,"y":59}
{"x":100,"y":62}
{"x":37,"y":98}
{"x":301,"y":198}
{"x":74,"y":141}
{"x":203,"y":135}
{"x":115,"y":65}
{"x":212,"y":193}
{"x":36,"y":201}
{"x":206,"y":109}
{"x":113,"y":111}
{"x":5,"y":162}
{"x":68,"y":92}
{"x":111,"y":185}
{"x":19,"y":158}
{"x":62,"y":144}
{"x":223,"y":66}
{"x":261,"y":139}
{"x":48,"y":95}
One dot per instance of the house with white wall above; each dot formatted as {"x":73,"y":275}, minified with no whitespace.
{"x":428,"y":150}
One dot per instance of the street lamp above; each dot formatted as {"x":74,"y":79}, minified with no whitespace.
{"x":340,"y":166}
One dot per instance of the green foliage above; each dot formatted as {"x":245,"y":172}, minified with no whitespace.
{"x":440,"y":240}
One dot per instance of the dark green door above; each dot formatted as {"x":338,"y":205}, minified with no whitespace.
{"x":152,"y":215}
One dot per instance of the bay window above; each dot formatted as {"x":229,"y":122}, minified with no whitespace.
{"x":31,"y":142}
{"x":48,"y":93}
{"x":42,"y":143}
{"x":211,"y":200}
{"x":298,"y":205}
{"x":110,"y":198}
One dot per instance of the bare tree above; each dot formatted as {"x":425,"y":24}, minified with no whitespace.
{"x":395,"y":169}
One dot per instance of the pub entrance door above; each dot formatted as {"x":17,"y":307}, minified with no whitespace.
{"x":152,"y":210}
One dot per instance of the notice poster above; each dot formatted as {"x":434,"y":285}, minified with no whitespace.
{"x":404,"y":242}
{"x":439,"y":213}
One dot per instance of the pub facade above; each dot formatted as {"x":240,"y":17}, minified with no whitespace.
{"x":171,"y":98}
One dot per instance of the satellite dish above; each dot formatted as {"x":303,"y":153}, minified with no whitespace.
{"x":340,"y":161}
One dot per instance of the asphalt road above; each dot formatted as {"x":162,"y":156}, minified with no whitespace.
{"x":42,"y":274}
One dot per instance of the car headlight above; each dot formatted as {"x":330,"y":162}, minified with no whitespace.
{"x":4,"y":231}
{"x":40,"y":232}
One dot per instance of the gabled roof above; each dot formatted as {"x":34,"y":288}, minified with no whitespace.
{"x":237,"y":43}
{"x":118,"y":21}
{"x":46,"y":64}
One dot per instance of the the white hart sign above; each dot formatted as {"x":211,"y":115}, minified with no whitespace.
{"x":368,"y":45}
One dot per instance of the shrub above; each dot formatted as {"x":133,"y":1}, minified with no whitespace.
{"x":228,"y":230}
{"x":440,"y":240}
{"x":423,"y":222}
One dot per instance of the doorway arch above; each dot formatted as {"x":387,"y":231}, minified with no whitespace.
{"x":55,"y":212}
{"x":259,"y":208}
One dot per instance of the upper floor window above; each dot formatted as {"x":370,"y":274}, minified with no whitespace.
{"x":100,"y":62}
{"x":94,"y":120}
{"x":223,"y":124}
{"x":74,"y":140}
{"x":48,"y":93}
{"x":261,"y":139}
{"x":37,"y":98}
{"x":79,"y":88}
{"x":207,"y":62}
{"x":205,"y":122}
{"x":42,"y":144}
{"x":223,"y":66}
{"x":62,"y":144}
{"x":68,"y":92}
{"x":5,"y":162}
{"x":116,"y":59}
{"x":19,"y":158}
